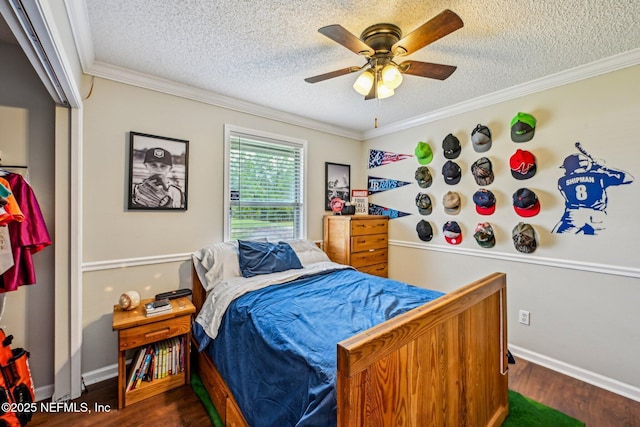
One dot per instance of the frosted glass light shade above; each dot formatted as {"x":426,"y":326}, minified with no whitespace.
{"x":384,"y":91}
{"x":391,"y":76}
{"x":364,"y":82}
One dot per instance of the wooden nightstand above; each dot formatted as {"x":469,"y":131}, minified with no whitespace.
{"x":136,"y":330}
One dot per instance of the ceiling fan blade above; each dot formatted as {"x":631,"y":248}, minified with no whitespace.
{"x":436,"y":28}
{"x":332,"y":74}
{"x":427,"y":69}
{"x":340,"y":35}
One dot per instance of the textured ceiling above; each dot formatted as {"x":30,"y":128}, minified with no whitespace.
{"x":260,"y":51}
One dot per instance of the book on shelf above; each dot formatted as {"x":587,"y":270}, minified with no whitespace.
{"x":156,"y":361}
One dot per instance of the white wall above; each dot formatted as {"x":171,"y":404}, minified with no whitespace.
{"x":114,"y":237}
{"x":582,"y":322}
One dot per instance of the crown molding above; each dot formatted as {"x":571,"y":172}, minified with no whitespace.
{"x":603,"y":66}
{"x":146,"y":81}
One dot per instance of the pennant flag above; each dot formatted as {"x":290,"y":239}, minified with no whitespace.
{"x":381,"y":210}
{"x":381,"y":158}
{"x":376,"y":185}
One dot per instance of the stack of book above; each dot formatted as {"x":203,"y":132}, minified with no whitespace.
{"x":158,"y":307}
{"x":157,"y":361}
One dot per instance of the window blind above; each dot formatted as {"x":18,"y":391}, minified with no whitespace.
{"x":265,"y":188}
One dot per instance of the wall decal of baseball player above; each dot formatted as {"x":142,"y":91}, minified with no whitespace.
{"x":158,"y":171}
{"x":584,"y":188}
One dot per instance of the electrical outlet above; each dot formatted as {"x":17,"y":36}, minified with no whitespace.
{"x":524,"y":317}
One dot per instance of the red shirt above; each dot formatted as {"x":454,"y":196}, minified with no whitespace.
{"x":27,"y":237}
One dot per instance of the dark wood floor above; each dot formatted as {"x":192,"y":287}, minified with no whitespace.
{"x":181,"y":407}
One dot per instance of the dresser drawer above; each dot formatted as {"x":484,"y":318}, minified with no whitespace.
{"x":156,"y":331}
{"x":362,"y":259}
{"x":369,"y":226}
{"x":368,"y":242}
{"x":381,"y":270}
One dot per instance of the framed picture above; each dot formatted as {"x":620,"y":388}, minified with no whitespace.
{"x":337,"y":183}
{"x":158,"y":172}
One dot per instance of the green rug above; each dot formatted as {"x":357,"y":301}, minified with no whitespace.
{"x":201,"y":392}
{"x":523,"y":412}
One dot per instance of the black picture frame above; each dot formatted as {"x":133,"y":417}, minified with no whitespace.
{"x":158,"y":172}
{"x":337,"y":183}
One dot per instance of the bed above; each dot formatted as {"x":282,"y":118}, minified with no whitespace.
{"x":428,"y":360}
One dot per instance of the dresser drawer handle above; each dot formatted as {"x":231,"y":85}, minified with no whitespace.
{"x":153,"y":334}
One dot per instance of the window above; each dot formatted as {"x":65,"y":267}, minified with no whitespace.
{"x":264,"y":186}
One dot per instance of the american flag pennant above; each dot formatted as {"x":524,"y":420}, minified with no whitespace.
{"x":381,"y":158}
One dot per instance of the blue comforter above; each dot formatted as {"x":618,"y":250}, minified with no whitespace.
{"x":276,"y":348}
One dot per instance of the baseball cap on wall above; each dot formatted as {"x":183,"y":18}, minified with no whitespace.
{"x":451,"y":202}
{"x":452,"y":233}
{"x":424,"y":230}
{"x":481,"y":138}
{"x":423,"y":153}
{"x":451,"y":172}
{"x":482,"y":171}
{"x":526,"y":203}
{"x":423,"y":177}
{"x":484,"y":235}
{"x":451,"y":147}
{"x":524,"y":238}
{"x":423,"y":202}
{"x":159,"y":155}
{"x":523,"y":127}
{"x":522,"y":164}
{"x":485,"y":201}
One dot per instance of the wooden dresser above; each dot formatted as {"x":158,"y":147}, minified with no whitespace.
{"x":358,"y":240}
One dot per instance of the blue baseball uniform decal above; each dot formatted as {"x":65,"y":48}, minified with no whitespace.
{"x":584,"y":188}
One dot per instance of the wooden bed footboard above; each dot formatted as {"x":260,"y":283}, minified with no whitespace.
{"x":444,"y":363}
{"x":441,"y":364}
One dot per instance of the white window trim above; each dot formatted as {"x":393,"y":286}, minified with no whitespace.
{"x":228,"y":130}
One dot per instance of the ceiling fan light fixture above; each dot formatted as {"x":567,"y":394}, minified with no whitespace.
{"x":364,"y":82}
{"x":384,"y":91}
{"x":391,"y":76}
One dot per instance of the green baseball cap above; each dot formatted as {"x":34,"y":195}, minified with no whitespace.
{"x":523,"y":127}
{"x":423,"y":153}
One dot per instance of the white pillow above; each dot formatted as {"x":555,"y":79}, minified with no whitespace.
{"x":219,"y":262}
{"x":216,"y":263}
{"x":308,"y":252}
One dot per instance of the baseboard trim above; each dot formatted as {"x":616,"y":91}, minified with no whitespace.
{"x":101,"y":374}
{"x":614,"y":386}
{"x":44,"y":392}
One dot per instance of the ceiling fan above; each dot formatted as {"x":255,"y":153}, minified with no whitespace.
{"x":380,"y":44}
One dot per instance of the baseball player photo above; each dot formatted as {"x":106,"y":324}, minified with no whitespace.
{"x":158,"y":173}
{"x":584,"y":188}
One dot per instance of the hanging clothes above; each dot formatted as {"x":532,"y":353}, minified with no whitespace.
{"x":10,"y":210}
{"x":27,"y":237}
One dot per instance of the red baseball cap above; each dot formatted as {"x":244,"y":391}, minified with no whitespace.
{"x":523,"y":164}
{"x":452,"y":233}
